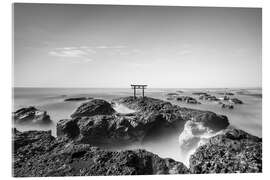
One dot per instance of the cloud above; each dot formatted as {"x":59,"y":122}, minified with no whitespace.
{"x":82,"y":53}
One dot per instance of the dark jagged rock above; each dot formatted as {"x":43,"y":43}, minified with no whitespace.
{"x":228,"y":106}
{"x":78,"y":99}
{"x":173,"y":113}
{"x":235,"y":101}
{"x":31,"y":115}
{"x":208,"y":97}
{"x":149,"y":114}
{"x":212,"y":120}
{"x":94,"y":107}
{"x":187,"y":99}
{"x":229,"y":152}
{"x":37,"y":153}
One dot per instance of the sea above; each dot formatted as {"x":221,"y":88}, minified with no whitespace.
{"x":164,"y":142}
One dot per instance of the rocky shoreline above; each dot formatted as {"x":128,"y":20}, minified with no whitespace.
{"x":75,"y":150}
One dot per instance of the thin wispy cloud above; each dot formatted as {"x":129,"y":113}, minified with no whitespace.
{"x":81,"y":54}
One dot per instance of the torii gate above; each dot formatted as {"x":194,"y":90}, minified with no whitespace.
{"x":138,"y":86}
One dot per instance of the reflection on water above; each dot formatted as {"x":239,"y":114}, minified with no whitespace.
{"x":165,"y":141}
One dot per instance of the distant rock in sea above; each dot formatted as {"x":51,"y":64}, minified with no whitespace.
{"x":228,"y":106}
{"x":235,"y":101}
{"x":232,"y":151}
{"x":187,"y":99}
{"x":31,"y":115}
{"x":78,"y":99}
{"x":208,"y":97}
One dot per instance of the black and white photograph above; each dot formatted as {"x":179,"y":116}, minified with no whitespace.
{"x":112,"y":90}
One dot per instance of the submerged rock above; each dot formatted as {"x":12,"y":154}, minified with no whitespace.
{"x":231,"y":151}
{"x":78,"y":99}
{"x":37,"y":154}
{"x":94,"y":107}
{"x":31,"y":115}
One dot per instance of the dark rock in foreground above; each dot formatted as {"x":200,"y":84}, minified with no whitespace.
{"x":94,"y":107}
{"x":78,"y":99}
{"x":37,"y":153}
{"x":31,"y":115}
{"x":230,"y":152}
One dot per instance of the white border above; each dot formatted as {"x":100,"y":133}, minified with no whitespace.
{"x":6,"y":80}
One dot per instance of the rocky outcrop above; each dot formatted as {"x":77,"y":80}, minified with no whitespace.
{"x":37,"y":153}
{"x":99,"y":127}
{"x":228,"y":106}
{"x":199,"y":93}
{"x":78,"y":99}
{"x":208,"y":97}
{"x":235,"y":101}
{"x":174,"y":113}
{"x":31,"y":115}
{"x":187,"y":99}
{"x":231,"y":151}
{"x":94,"y":107}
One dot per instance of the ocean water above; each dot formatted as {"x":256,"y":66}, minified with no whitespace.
{"x":166,"y":142}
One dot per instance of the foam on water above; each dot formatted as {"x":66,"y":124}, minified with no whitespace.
{"x":193,"y":136}
{"x":120,"y":108}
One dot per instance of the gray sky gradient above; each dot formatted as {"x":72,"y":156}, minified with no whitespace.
{"x":114,"y":46}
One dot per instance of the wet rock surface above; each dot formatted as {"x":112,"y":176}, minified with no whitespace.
{"x":99,"y":127}
{"x":37,"y":153}
{"x":231,"y":151}
{"x":31,"y":115}
{"x":94,"y":107}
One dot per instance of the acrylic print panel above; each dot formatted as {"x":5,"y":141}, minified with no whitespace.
{"x":195,"y":104}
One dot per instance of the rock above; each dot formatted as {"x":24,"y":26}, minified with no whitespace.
{"x":226,"y":98}
{"x":208,"y":97}
{"x":187,"y":99}
{"x":78,"y":99}
{"x":232,"y":151}
{"x":94,"y":107}
{"x":173,"y":113}
{"x":235,"y":101}
{"x":229,"y":106}
{"x":172,"y":94}
{"x":199,"y":93}
{"x":31,"y":115}
{"x":211,"y":120}
{"x":179,"y":91}
{"x":38,"y":154}
{"x":118,"y":128}
{"x":226,"y":93}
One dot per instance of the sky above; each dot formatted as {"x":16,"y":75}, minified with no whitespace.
{"x":115,"y":46}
